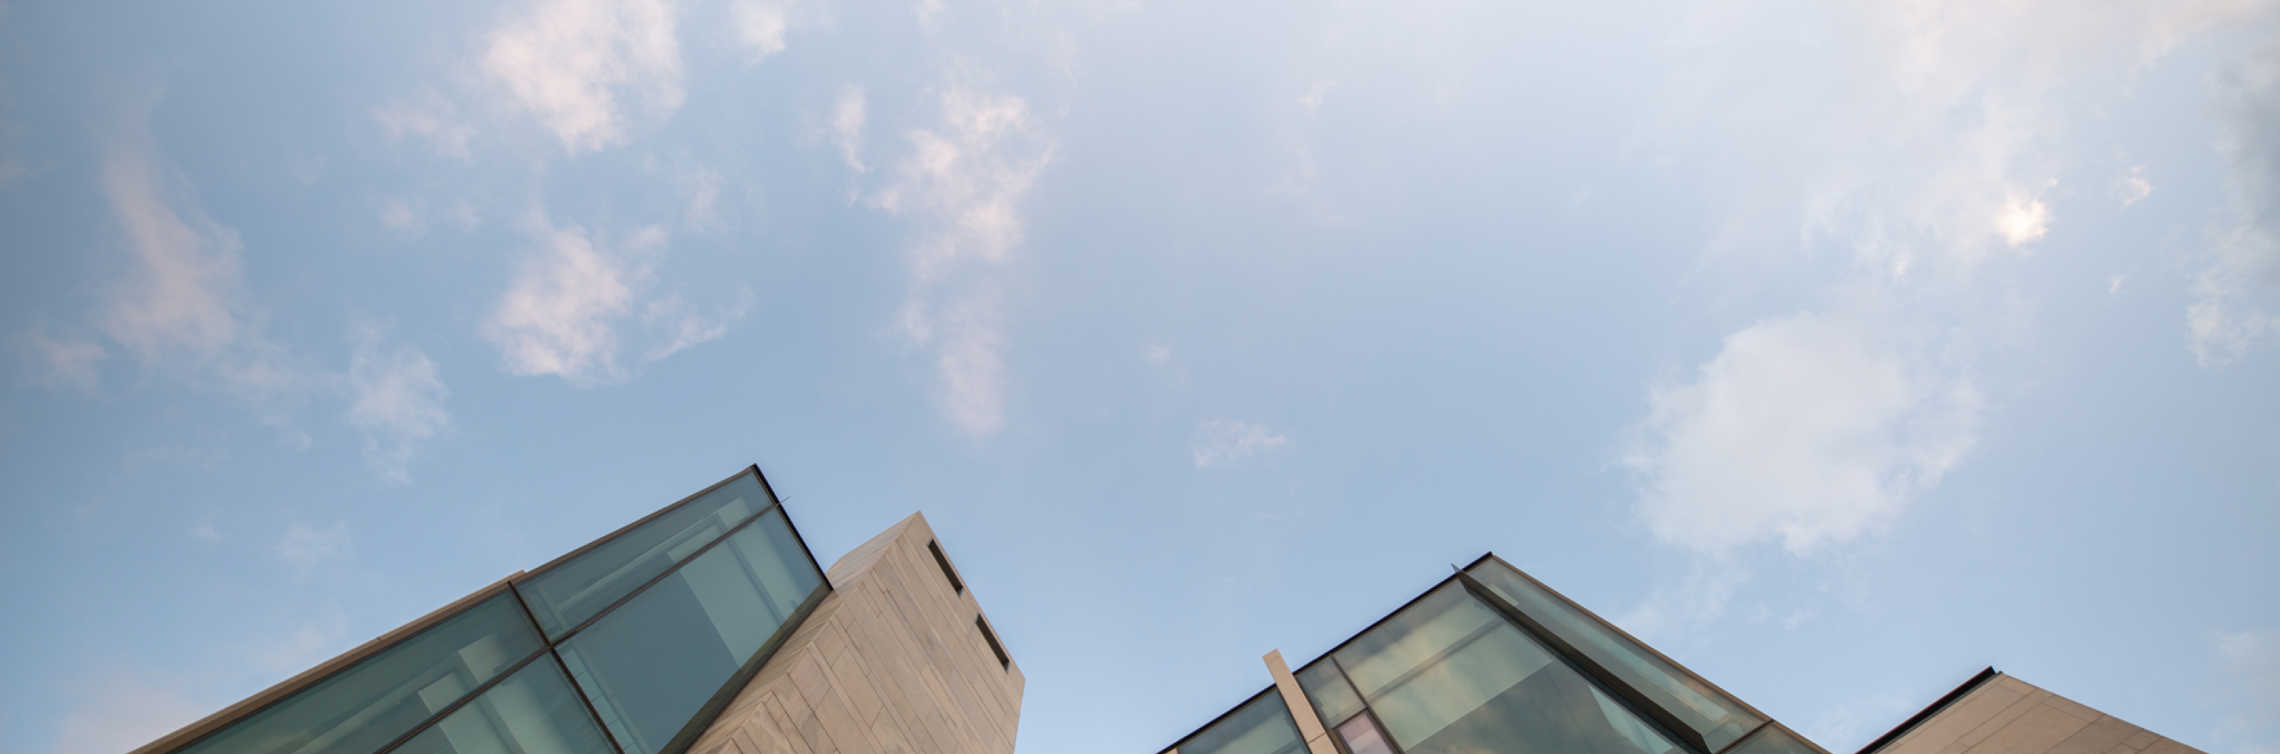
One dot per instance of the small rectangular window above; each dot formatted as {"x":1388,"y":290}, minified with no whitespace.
{"x":991,"y":637}
{"x":941,"y":560}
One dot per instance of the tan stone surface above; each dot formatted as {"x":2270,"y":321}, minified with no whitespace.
{"x":2008,"y":716}
{"x":889,"y":663}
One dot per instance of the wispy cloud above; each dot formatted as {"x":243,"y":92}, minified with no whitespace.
{"x":847,"y":120}
{"x":2249,"y":663}
{"x":2133,"y":188}
{"x":396,"y":401}
{"x":306,"y":548}
{"x":760,"y":26}
{"x":428,"y":117}
{"x":963,"y":184}
{"x":576,"y":309}
{"x":1225,"y":442}
{"x":2236,"y":296}
{"x":205,"y":532}
{"x":67,"y":363}
{"x":119,"y":712}
{"x":571,"y":62}
{"x":1808,"y":430}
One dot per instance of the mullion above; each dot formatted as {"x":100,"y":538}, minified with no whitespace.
{"x":1622,"y":691}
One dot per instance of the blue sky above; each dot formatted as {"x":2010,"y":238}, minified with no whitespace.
{"x":1840,"y":351}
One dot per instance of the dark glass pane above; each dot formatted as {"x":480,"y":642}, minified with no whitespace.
{"x":650,"y":664}
{"x":1773,"y":739}
{"x":531,"y":712}
{"x":1261,"y":726}
{"x":569,"y":592}
{"x":1363,"y":736}
{"x":1719,"y":719}
{"x":1448,"y":676}
{"x":365,"y":706}
{"x":1333,"y":697}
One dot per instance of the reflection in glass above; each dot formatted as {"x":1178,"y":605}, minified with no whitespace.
{"x":384,"y":696}
{"x":569,"y":592}
{"x":1773,"y":739}
{"x":653,"y":662}
{"x":1261,"y":726}
{"x":533,"y":711}
{"x":1720,"y":720}
{"x":1448,"y":676}
{"x":1363,"y":736}
{"x":1333,"y":698}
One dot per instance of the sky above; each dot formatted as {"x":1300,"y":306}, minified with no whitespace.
{"x":1837,"y":349}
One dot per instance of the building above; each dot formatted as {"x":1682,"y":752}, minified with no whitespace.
{"x":1492,"y":661}
{"x":707,"y":627}
{"x":1997,"y":714}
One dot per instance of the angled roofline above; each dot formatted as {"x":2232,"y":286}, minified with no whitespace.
{"x":1977,"y":680}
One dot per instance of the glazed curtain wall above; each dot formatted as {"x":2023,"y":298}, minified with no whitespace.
{"x":1492,"y":662}
{"x":614,"y":649}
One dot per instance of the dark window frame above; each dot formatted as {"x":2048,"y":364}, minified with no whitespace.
{"x":957,"y":585}
{"x":989,"y":636}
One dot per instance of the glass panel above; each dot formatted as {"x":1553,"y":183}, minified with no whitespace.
{"x":1363,"y":736}
{"x":531,"y":712}
{"x":1261,"y":726}
{"x":1448,"y":676}
{"x":1719,"y":719}
{"x":649,"y":664}
{"x":369,"y":704}
{"x":1333,"y":697}
{"x":569,"y":592}
{"x":1772,"y":739}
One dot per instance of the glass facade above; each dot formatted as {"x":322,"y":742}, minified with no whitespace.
{"x":617,"y":648}
{"x":1492,"y":662}
{"x":1261,"y":725}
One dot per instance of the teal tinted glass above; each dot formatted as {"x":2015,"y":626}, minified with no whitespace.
{"x":1446,"y":675}
{"x":533,"y":711}
{"x":650,"y":664}
{"x":1334,"y":699}
{"x":1720,"y":720}
{"x":371,"y":703}
{"x":1261,"y":726}
{"x":569,"y":592}
{"x":1772,"y":739}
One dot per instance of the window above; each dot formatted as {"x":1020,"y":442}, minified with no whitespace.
{"x":651,"y":664}
{"x":1719,"y":719}
{"x":1363,"y":737}
{"x":1261,"y":726}
{"x":532,"y":711}
{"x":1447,"y":675}
{"x":1334,"y":699}
{"x":991,"y":637}
{"x":944,"y":562}
{"x":384,"y":696}
{"x":566,"y":593}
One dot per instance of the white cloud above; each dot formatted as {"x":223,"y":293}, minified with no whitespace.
{"x":396,"y":402}
{"x":571,"y":62}
{"x":305,"y":547}
{"x":576,"y":308}
{"x":2249,"y":663}
{"x":557,"y":316}
{"x":1158,"y":354}
{"x":2236,"y":295}
{"x":1809,"y":430}
{"x":2114,"y":283}
{"x":681,"y":327}
{"x":120,"y":713}
{"x":64,"y":364}
{"x":431,"y":118}
{"x":305,"y":646}
{"x":963,"y":184}
{"x":205,"y":531}
{"x":2023,"y":220}
{"x":1312,"y":99}
{"x":760,"y":26}
{"x":701,"y":186}
{"x":847,"y":116}
{"x":2133,"y":188}
{"x":1222,"y":442}
{"x":404,"y":217}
